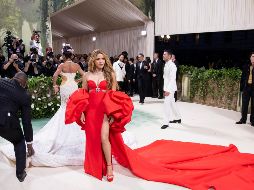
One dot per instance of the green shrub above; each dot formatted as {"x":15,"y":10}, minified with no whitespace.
{"x":213,"y":87}
{"x":44,"y":102}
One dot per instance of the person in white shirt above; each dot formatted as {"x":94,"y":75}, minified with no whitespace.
{"x":119,"y":68}
{"x":171,"y":113}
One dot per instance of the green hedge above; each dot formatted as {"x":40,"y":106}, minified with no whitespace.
{"x":218,"y":88}
{"x":44,"y":102}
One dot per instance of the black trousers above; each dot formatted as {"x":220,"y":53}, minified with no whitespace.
{"x":131,"y":87}
{"x":248,"y":94}
{"x":175,"y":96}
{"x":157,"y":84}
{"x":16,"y":137}
{"x":121,"y":86}
{"x":141,"y":89}
{"x":155,"y":87}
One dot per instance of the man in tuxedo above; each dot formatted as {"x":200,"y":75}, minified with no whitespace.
{"x":157,"y":76}
{"x":14,"y":98}
{"x":130,"y":71}
{"x":247,"y":89}
{"x":141,"y":73}
{"x":171,"y":113}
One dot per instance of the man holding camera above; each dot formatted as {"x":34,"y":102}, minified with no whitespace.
{"x":12,"y":66}
{"x":14,"y":99}
{"x":32,"y":62}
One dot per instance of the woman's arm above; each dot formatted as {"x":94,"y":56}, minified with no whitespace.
{"x":114,"y":84}
{"x":84,"y":81}
{"x":56,"y":74}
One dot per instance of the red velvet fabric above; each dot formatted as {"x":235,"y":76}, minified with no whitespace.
{"x":193,"y":165}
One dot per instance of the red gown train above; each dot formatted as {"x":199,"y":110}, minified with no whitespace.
{"x":192,"y":165}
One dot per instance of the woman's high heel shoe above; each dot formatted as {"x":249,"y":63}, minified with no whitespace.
{"x":110,"y":177}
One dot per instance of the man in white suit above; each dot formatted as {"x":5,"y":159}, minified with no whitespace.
{"x":171,"y":113}
{"x":119,"y":68}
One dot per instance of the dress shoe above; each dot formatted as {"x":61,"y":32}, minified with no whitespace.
{"x":252,"y":124}
{"x":164,"y":126}
{"x":21,"y":177}
{"x":240,"y":122}
{"x":176,"y":121}
{"x":160,"y":97}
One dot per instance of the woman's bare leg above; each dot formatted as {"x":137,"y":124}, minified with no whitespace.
{"x":106,"y":146}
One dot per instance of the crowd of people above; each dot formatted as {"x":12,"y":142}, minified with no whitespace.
{"x":139,"y":75}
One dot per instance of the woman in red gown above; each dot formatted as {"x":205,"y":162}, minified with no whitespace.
{"x":193,"y":165}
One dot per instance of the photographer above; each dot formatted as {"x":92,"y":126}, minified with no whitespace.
{"x":18,"y":47}
{"x":12,"y":66}
{"x":32,"y":63}
{"x":49,"y":66}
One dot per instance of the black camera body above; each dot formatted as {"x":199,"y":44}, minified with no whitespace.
{"x":8,"y":41}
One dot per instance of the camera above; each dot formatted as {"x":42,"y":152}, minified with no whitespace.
{"x":8,"y":39}
{"x":8,"y":42}
{"x":33,"y":51}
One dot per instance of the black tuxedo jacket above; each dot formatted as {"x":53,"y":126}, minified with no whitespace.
{"x":14,"y":98}
{"x":157,"y":68}
{"x":141,"y":72}
{"x":245,"y":77}
{"x":130,"y":71}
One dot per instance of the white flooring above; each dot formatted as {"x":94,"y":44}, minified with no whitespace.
{"x":202,"y":124}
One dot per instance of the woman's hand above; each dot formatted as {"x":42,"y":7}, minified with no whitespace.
{"x":56,"y":89}
{"x":83,"y":118}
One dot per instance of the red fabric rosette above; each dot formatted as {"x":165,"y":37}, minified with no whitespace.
{"x":76,"y":104}
{"x":119,"y":106}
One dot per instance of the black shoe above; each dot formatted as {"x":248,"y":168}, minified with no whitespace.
{"x":160,"y":97}
{"x":252,"y":124}
{"x":176,"y":121}
{"x":240,"y":122}
{"x":164,"y":126}
{"x":21,"y":177}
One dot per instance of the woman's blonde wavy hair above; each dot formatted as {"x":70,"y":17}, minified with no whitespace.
{"x":107,"y":69}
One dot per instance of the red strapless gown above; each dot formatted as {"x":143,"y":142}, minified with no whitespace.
{"x":192,"y":165}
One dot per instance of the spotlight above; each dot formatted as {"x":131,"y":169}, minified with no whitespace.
{"x":143,"y":33}
{"x":94,"y":39}
{"x":162,"y":36}
{"x":168,"y":36}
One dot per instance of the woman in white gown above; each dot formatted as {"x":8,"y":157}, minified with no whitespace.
{"x":58,"y":144}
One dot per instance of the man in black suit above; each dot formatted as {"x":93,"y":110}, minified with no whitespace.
{"x":157,"y":76}
{"x":130,"y":72}
{"x":247,"y":89}
{"x":14,"y":98}
{"x":141,"y":73}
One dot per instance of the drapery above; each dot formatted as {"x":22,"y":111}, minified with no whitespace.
{"x":113,"y":42}
{"x":197,"y":16}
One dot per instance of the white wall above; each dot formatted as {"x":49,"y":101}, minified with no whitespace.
{"x":197,"y":16}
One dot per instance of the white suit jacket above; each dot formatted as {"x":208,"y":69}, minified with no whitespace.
{"x":170,"y":77}
{"x":120,"y":72}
